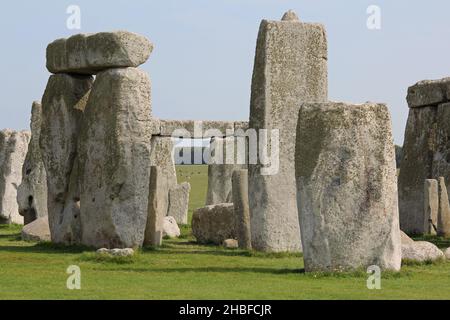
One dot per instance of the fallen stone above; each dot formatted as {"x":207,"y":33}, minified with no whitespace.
{"x":241,"y":208}
{"x":428,"y":93}
{"x":179,"y":203}
{"x":447,"y":253}
{"x":290,"y":68}
{"x":63,"y":104}
{"x":443,"y":220}
{"x":158,"y":201}
{"x":214,"y":224}
{"x":93,"y":53}
{"x":406,"y":240}
{"x":37,"y":230}
{"x":32,"y":192}
{"x":13,"y":150}
{"x":127,"y":252}
{"x":171,"y":229}
{"x":431,"y":205}
{"x":230,"y":244}
{"x":416,"y":167}
{"x":347,"y":187}
{"x":114,"y":152}
{"x":196,"y":129}
{"x":421,"y":251}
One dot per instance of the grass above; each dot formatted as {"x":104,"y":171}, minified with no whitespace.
{"x":181,"y":269}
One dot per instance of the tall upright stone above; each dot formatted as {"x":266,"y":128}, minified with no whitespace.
{"x":179,"y":202}
{"x":347,"y":187}
{"x":443,"y":223}
{"x":157,"y":207}
{"x":162,"y":156}
{"x":290,"y":68}
{"x":114,"y":153}
{"x":13,"y":150}
{"x":63,"y":105}
{"x":430,"y":206}
{"x":32,"y":192}
{"x":223,"y":162}
{"x":242,"y":209}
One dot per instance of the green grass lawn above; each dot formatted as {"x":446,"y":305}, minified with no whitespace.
{"x":180,"y":269}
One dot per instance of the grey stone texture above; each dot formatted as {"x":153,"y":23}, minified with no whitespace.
{"x":37,"y":230}
{"x":13,"y":150}
{"x":428,"y":93}
{"x":158,"y":202}
{"x":223,"y":162}
{"x":114,"y":153}
{"x":162,"y":156}
{"x":443,"y":220}
{"x":214,"y":224}
{"x":196,"y":129}
{"x":63,"y":105}
{"x":447,"y":253}
{"x":242,"y":209}
{"x":421,"y":251}
{"x":179,"y":202}
{"x":347,"y":187}
{"x":32,"y":192}
{"x":230,"y":244}
{"x":93,"y":53}
{"x":431,"y":205}
{"x":290,"y":68}
{"x":170,"y":228}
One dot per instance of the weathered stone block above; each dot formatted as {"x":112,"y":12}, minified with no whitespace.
{"x":214,"y":224}
{"x":63,"y":104}
{"x":290,"y":68}
{"x":162,"y":155}
{"x":428,"y":93}
{"x":92,"y":53}
{"x":32,"y":192}
{"x":443,"y":220}
{"x":179,"y":202}
{"x":114,"y":153}
{"x":421,"y":251}
{"x":431,"y":205}
{"x":347,"y":187}
{"x":37,"y":230}
{"x":241,"y":208}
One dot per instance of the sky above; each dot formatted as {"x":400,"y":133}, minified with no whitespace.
{"x":202,"y":63}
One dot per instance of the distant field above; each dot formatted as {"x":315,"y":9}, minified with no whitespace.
{"x":181,"y":269}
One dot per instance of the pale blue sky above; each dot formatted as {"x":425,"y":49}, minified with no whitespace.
{"x":203,"y":59}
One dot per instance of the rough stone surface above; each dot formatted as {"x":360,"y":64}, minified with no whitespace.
{"x":347,"y":187}
{"x":416,"y":167}
{"x":230,"y":244}
{"x":447,"y":253}
{"x":13,"y":150}
{"x":114,"y":153}
{"x":290,"y":16}
{"x":92,"y":53}
{"x":421,"y":251}
{"x":163,"y":157}
{"x":179,"y":202}
{"x":171,"y":228}
{"x":443,"y":221}
{"x":63,"y":104}
{"x":158,"y":202}
{"x":290,"y":68}
{"x":127,"y":252}
{"x":214,"y":224}
{"x":37,"y":230}
{"x":431,"y":205}
{"x":32,"y":192}
{"x":241,"y":208}
{"x":428,"y":92}
{"x":197,"y":128}
{"x":223,"y":162}
{"x":406,"y":240}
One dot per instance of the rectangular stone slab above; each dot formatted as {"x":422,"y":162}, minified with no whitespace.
{"x":347,"y":187}
{"x":114,"y":150}
{"x":92,"y":53}
{"x":431,"y":205}
{"x":290,"y":68}
{"x":429,"y":92}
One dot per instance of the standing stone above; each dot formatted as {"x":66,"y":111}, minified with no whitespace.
{"x":347,"y":187}
{"x":114,"y":153}
{"x":92,"y":53}
{"x":63,"y":104}
{"x":157,"y":207}
{"x":441,"y":156}
{"x":162,"y":155}
{"x":214,"y":224}
{"x":220,"y":170}
{"x":179,"y":202}
{"x":431,"y":205}
{"x":32,"y":192}
{"x":443,"y":222}
{"x":241,"y":209}
{"x":290,"y":68}
{"x":13,"y":150}
{"x":416,"y":166}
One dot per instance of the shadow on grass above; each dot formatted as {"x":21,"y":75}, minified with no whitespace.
{"x":45,"y":247}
